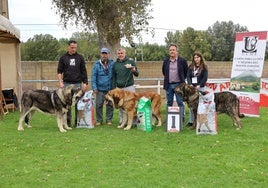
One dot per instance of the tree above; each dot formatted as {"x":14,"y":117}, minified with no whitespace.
{"x":40,"y":47}
{"x":223,"y":40}
{"x":173,"y":38}
{"x":63,"y":42}
{"x":192,"y":40}
{"x":154,"y":52}
{"x":87,"y":45}
{"x":112,"y":19}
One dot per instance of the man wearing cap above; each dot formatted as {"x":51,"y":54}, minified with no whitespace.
{"x":101,"y":82}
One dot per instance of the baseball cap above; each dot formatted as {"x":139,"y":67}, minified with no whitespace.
{"x":105,"y":50}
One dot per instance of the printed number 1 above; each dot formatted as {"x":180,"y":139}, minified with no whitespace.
{"x":173,"y":122}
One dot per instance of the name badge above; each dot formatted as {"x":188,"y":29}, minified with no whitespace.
{"x":194,"y":80}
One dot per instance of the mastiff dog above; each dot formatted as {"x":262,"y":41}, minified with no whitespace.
{"x":127,"y":101}
{"x":56,"y":102}
{"x":156,"y":103}
{"x":226,"y":102}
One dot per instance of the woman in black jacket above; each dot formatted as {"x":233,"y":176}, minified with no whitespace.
{"x":197,"y":76}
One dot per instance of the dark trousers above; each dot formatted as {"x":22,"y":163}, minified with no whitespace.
{"x":100,"y":98}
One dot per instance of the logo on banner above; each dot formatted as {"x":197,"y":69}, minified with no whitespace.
{"x":250,"y":44}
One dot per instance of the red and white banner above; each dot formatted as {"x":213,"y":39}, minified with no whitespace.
{"x":223,"y":84}
{"x":247,"y":69}
{"x":217,"y":85}
{"x":264,"y":93}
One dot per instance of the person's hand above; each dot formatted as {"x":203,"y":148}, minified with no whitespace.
{"x":96,"y":91}
{"x":84,"y":87}
{"x":133,"y":69}
{"x":61,"y":85}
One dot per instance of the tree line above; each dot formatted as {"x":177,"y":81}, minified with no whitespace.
{"x":216,"y":44}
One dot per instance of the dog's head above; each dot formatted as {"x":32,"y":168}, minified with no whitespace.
{"x":185,"y":91}
{"x":119,"y":96}
{"x":116,"y":96}
{"x":72,"y":94}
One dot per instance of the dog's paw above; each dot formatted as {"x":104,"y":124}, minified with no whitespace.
{"x":120,"y":126}
{"x":20,"y":129}
{"x":68,"y":128}
{"x":127,"y":128}
{"x":63,"y":130}
{"x":28,"y":126}
{"x":159,"y":124}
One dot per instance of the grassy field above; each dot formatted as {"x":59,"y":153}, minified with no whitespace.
{"x":109,"y":157}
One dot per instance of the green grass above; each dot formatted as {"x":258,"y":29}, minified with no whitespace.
{"x":109,"y":157}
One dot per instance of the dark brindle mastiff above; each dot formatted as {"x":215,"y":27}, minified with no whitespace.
{"x":226,"y":102}
{"x":56,"y":102}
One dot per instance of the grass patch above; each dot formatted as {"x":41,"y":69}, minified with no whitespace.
{"x":109,"y":157}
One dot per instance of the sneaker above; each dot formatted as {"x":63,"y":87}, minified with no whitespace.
{"x":109,"y":123}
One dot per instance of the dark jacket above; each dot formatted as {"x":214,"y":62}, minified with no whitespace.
{"x":122,"y":76}
{"x":202,"y":77}
{"x":182,"y":70}
{"x":73,"y":68}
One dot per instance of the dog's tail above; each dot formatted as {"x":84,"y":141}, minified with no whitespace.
{"x":239,"y":114}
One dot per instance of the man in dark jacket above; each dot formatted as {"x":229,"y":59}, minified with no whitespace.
{"x":72,"y":70}
{"x":174,"y":70}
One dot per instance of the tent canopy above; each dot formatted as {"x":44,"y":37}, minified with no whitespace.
{"x":8,"y":33}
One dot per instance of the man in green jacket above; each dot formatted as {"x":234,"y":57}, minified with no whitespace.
{"x":123,"y":71}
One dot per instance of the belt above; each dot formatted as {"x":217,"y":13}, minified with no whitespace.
{"x":71,"y":82}
{"x":175,"y":83}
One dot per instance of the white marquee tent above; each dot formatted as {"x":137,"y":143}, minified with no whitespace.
{"x":10,"y":63}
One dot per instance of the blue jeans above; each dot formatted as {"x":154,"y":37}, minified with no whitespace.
{"x":170,"y":97}
{"x":191,"y":115}
{"x":69,"y":113}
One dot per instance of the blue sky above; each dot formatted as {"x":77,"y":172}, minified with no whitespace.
{"x":169,"y":15}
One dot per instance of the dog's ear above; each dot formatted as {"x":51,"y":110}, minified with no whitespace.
{"x":121,"y":102}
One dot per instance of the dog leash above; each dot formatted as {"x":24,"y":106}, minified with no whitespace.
{"x":127,"y":79}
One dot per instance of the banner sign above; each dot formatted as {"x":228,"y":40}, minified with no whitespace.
{"x":247,"y":69}
{"x":217,"y":85}
{"x":222,"y":84}
{"x":264,"y":93}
